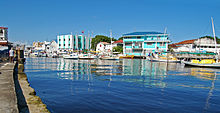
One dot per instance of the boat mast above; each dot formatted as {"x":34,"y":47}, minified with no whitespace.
{"x":111,"y":39}
{"x":213,"y":29}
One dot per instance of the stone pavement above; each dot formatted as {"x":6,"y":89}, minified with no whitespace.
{"x":8,"y":99}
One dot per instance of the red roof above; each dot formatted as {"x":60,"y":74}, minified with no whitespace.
{"x":183,"y":42}
{"x":3,"y":28}
{"x":105,"y":43}
{"x":118,"y":41}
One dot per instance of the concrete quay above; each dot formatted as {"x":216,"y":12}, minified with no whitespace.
{"x":8,"y":99}
{"x":16,"y":95}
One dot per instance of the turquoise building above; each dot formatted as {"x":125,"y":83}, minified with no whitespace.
{"x":73,"y":42}
{"x":143,"y":43}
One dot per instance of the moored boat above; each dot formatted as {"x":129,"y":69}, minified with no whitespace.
{"x":109,"y":58}
{"x":164,"y":60}
{"x":127,"y":57}
{"x":210,"y":63}
{"x":87,"y":57}
{"x":169,"y":59}
{"x":71,"y":56}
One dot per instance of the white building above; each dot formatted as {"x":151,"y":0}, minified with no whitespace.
{"x":3,"y":34}
{"x":73,"y":42}
{"x":196,"y":45}
{"x":117,"y":43}
{"x":103,"y":47}
{"x":51,"y":48}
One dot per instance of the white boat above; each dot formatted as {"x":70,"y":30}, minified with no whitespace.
{"x":209,"y":65}
{"x":87,"y":56}
{"x":71,"y":56}
{"x":157,"y":58}
{"x":34,"y":54}
{"x":164,"y":60}
{"x":109,"y":58}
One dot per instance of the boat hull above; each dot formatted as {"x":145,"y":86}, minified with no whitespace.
{"x":70,"y":58}
{"x":82,"y":58}
{"x":213,"y":65}
{"x":161,"y":60}
{"x":110,"y":58}
{"x":127,"y":57}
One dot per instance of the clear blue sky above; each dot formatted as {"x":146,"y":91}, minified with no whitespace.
{"x":39,"y":20}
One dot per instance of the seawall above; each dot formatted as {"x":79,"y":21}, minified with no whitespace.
{"x":26,"y":95}
{"x":16,"y":95}
{"x":8,"y":99}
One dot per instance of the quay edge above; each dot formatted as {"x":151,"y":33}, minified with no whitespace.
{"x":26,"y":95}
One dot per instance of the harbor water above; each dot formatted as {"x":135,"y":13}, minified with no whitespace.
{"x":131,"y":86}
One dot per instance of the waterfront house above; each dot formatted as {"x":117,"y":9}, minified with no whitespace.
{"x":117,"y":43}
{"x":4,"y":44}
{"x":143,"y":43}
{"x":183,"y":46}
{"x":51,"y":48}
{"x":3,"y":37}
{"x":203,"y":44}
{"x":38,"y":46}
{"x":3,"y":34}
{"x":103,"y":47}
{"x":71,"y":42}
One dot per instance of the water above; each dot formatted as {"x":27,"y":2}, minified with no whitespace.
{"x":126,"y":85}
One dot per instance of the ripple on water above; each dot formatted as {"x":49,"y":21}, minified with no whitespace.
{"x":123,"y":86}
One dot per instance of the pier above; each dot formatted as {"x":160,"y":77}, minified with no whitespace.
{"x":8,"y":97}
{"x":16,"y":95}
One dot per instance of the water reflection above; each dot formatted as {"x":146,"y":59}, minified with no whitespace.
{"x":174,"y":81}
{"x":126,"y":67}
{"x":201,"y":73}
{"x":140,"y":71}
{"x":210,"y":92}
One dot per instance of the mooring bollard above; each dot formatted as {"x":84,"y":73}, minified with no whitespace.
{"x":20,"y":59}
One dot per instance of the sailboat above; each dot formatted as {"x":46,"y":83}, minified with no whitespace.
{"x":211,"y":63}
{"x":110,"y":57}
{"x":71,"y":56}
{"x":169,"y":58}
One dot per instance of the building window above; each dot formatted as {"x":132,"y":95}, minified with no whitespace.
{"x":69,"y":44}
{"x":63,"y":44}
{"x":158,"y":38}
{"x":59,"y":39}
{"x":59,"y":44}
{"x":69,"y":39}
{"x":138,"y":37}
{"x":149,"y":43}
{"x":128,"y":44}
{"x":137,"y":51}
{"x":63,"y":39}
{"x":162,"y":44}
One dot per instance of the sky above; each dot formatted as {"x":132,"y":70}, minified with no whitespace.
{"x":43,"y":20}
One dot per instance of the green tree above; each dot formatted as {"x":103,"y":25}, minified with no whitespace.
{"x":121,"y":38}
{"x":118,"y":49}
{"x":217,"y":39}
{"x":100,"y":38}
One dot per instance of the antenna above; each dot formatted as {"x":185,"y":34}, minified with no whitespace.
{"x":165,"y":31}
{"x":111,"y":38}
